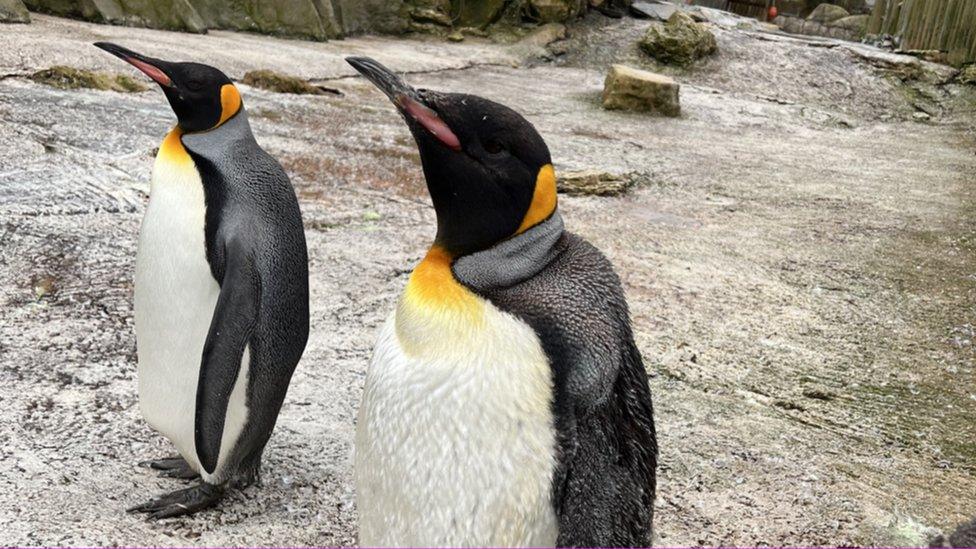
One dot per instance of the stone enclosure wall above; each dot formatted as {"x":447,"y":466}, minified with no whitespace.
{"x":826,"y":20}
{"x":310,"y":19}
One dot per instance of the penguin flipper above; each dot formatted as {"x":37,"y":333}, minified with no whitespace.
{"x":234,"y":320}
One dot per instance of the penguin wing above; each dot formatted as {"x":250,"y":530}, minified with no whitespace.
{"x":604,"y":482}
{"x":234,"y":320}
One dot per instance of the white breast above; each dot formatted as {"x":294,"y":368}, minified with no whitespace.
{"x":456,"y":447}
{"x":175,"y":297}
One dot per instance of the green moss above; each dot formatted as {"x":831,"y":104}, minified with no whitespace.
{"x":70,"y":78}
{"x":281,"y":83}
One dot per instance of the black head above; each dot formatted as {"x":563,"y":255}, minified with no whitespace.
{"x":201,"y":96}
{"x":488,"y":171}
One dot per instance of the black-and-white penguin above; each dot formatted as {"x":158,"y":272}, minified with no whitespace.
{"x":506,"y":403}
{"x":964,"y":536}
{"x":221,"y":288}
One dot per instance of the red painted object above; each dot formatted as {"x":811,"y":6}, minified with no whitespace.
{"x":773,"y":12}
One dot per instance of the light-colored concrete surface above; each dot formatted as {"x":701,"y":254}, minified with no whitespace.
{"x":798,"y":259}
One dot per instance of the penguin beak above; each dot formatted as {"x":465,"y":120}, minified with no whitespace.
{"x":407,"y":100}
{"x":148,"y":65}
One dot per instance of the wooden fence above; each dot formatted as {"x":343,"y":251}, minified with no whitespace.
{"x":945,"y":25}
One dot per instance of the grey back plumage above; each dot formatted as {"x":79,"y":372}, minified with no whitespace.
{"x":604,"y":485}
{"x":252,"y":220}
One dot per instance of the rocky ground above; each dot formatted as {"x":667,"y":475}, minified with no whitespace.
{"x":798,"y":254}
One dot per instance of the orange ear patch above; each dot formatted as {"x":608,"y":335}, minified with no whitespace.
{"x":230,"y":102}
{"x":543,"y":199}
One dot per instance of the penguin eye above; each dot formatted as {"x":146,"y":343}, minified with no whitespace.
{"x":493,"y":147}
{"x":194,"y":85}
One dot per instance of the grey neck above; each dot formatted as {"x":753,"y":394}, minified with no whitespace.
{"x":215,"y":143}
{"x":512,"y":260}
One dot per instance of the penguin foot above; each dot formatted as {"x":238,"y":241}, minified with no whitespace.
{"x":181,"y":502}
{"x":171,"y":467}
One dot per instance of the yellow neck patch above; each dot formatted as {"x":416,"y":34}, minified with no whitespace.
{"x":543,"y":199}
{"x":433,"y":284}
{"x":171,"y":150}
{"x":435,"y":310}
{"x":230,"y":102}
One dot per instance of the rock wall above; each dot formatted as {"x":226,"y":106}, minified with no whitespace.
{"x":826,"y":20}
{"x":13,"y":11}
{"x":310,"y":19}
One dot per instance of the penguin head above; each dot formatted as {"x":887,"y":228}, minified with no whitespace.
{"x":488,"y":171}
{"x":201,"y":96}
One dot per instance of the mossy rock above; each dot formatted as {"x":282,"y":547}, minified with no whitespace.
{"x":827,"y":13}
{"x":13,"y":11}
{"x":554,"y":11}
{"x":680,"y":41}
{"x":854,"y":24}
{"x":480,"y":14}
{"x":70,"y":78}
{"x":281,"y":83}
{"x":967,"y":75}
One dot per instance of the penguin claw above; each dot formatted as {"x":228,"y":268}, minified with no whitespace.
{"x":181,"y":502}
{"x":171,"y":467}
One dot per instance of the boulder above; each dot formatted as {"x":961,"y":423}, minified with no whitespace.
{"x":480,"y":14}
{"x":177,"y":15}
{"x":13,"y":11}
{"x":857,"y":24}
{"x":679,"y":41}
{"x":827,"y":13}
{"x":157,"y":14}
{"x":313,"y":19}
{"x":792,"y":25}
{"x":78,"y":9}
{"x":372,"y":16}
{"x":435,"y":12}
{"x":548,"y":11}
{"x":632,"y":89}
{"x":967,"y":75}
{"x":813,"y":28}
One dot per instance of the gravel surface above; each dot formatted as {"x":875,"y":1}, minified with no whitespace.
{"x":798,"y":254}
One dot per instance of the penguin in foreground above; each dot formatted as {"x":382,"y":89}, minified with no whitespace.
{"x":964,"y":536}
{"x":221,"y":288}
{"x":506,"y":403}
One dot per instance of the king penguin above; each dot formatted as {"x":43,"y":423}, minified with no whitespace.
{"x":506,"y":403}
{"x":221,"y":288}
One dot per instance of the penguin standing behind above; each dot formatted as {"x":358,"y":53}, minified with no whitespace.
{"x":221,"y":288}
{"x":506,"y":403}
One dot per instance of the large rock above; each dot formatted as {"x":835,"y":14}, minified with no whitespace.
{"x":78,"y":9}
{"x":827,"y":13}
{"x":372,"y":16}
{"x":13,"y":11}
{"x":856,"y":24}
{"x":313,"y":19}
{"x":480,"y":13}
{"x":436,"y":12}
{"x":548,"y":11}
{"x":158,"y":14}
{"x":632,"y":89}
{"x":679,"y":41}
{"x":967,"y":75}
